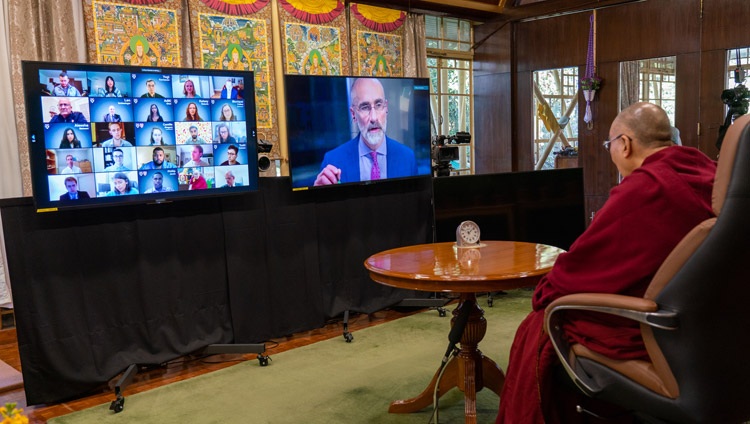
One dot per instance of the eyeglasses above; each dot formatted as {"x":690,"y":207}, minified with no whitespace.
{"x":118,"y":156}
{"x":607,"y":143}
{"x":366,"y":108}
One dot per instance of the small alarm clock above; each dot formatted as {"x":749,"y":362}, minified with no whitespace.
{"x":467,"y":234}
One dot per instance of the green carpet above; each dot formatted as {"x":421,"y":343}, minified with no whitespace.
{"x":329,"y":382}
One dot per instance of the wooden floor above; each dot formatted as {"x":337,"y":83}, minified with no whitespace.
{"x":180,"y":369}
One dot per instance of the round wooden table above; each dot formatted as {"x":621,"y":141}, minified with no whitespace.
{"x":443,"y":267}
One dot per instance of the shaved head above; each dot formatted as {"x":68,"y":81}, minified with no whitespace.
{"x":645,"y":122}
{"x":639,"y":131}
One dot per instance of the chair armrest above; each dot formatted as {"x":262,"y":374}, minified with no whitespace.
{"x":636,"y":308}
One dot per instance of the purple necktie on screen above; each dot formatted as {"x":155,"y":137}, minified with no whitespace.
{"x":375,"y":171}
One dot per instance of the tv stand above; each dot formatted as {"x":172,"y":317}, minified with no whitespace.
{"x":258,"y":348}
{"x":118,"y":404}
{"x":434,"y":302}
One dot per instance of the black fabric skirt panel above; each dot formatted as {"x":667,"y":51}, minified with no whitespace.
{"x":96,"y":290}
{"x":355,"y":222}
{"x":272,"y":262}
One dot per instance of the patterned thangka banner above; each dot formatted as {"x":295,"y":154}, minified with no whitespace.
{"x":239,"y":43}
{"x":315,"y":37}
{"x":377,"y":53}
{"x":133,"y":35}
{"x":312,"y":49}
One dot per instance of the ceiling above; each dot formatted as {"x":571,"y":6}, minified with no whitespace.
{"x":497,"y":10}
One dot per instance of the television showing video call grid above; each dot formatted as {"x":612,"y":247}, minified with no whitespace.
{"x":108,"y":134}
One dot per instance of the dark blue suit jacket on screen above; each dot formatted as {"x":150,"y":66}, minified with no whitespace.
{"x":400,"y":160}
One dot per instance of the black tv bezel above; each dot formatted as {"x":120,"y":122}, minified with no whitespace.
{"x":38,"y":146}
{"x":427,"y":142}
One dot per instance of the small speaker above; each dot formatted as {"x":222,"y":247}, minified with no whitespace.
{"x":264,"y":163}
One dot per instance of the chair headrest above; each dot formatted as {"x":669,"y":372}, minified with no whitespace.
{"x":727,"y":157}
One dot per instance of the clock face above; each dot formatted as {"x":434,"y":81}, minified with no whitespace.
{"x":467,"y":233}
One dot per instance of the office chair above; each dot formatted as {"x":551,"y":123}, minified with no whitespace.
{"x":694,"y":316}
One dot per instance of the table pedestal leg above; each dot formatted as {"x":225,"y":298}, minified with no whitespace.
{"x":470,"y":372}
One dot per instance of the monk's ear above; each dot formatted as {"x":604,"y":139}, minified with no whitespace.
{"x":627,"y":146}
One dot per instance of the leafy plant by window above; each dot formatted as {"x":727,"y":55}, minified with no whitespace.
{"x":591,"y":83}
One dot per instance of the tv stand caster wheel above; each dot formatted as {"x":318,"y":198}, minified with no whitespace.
{"x":263,"y":360}
{"x":118,"y":404}
{"x":348,"y":336}
{"x":441,"y":312}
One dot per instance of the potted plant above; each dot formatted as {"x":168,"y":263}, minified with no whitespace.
{"x":590,"y":84}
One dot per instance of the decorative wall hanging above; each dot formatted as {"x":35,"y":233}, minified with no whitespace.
{"x":377,"y":53}
{"x":310,"y":48}
{"x":145,"y":2}
{"x":313,"y":11}
{"x":590,"y":82}
{"x":240,"y":42}
{"x":131,"y":34}
{"x":378,"y":19}
{"x":236,"y":7}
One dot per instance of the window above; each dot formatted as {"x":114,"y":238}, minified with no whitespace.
{"x":555,"y":115}
{"x":658,"y":83}
{"x":450,"y":62}
{"x":738,"y":64}
{"x":736,"y":97}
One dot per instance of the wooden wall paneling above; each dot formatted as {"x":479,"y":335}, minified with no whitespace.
{"x":493,"y":98}
{"x":493,"y":121}
{"x":493,"y":55}
{"x":523,"y":132}
{"x":712,"y":110}
{"x":688,"y":96}
{"x":599,"y":173}
{"x":725,"y":24}
{"x":552,"y":43}
{"x":653,"y":28}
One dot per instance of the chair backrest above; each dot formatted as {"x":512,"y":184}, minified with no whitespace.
{"x":705,"y":361}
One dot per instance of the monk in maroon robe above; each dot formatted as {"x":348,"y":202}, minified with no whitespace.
{"x":665,"y":192}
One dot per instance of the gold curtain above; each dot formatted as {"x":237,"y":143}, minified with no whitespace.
{"x":40,"y":30}
{"x":415,"y":47}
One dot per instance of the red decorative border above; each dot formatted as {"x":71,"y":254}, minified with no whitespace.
{"x":145,"y":2}
{"x":235,"y":9}
{"x":310,"y":18}
{"x":377,"y":26}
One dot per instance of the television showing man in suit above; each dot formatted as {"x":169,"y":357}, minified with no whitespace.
{"x":370,"y":155}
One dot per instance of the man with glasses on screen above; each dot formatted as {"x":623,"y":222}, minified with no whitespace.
{"x":371,"y":155}
{"x":665,"y":192}
{"x":118,"y":155}
{"x":66,"y":114}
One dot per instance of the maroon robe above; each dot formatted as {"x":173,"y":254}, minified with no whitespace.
{"x":645,"y":217}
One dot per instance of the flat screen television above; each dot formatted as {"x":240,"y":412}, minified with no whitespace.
{"x":110,"y":134}
{"x":327,"y":114}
